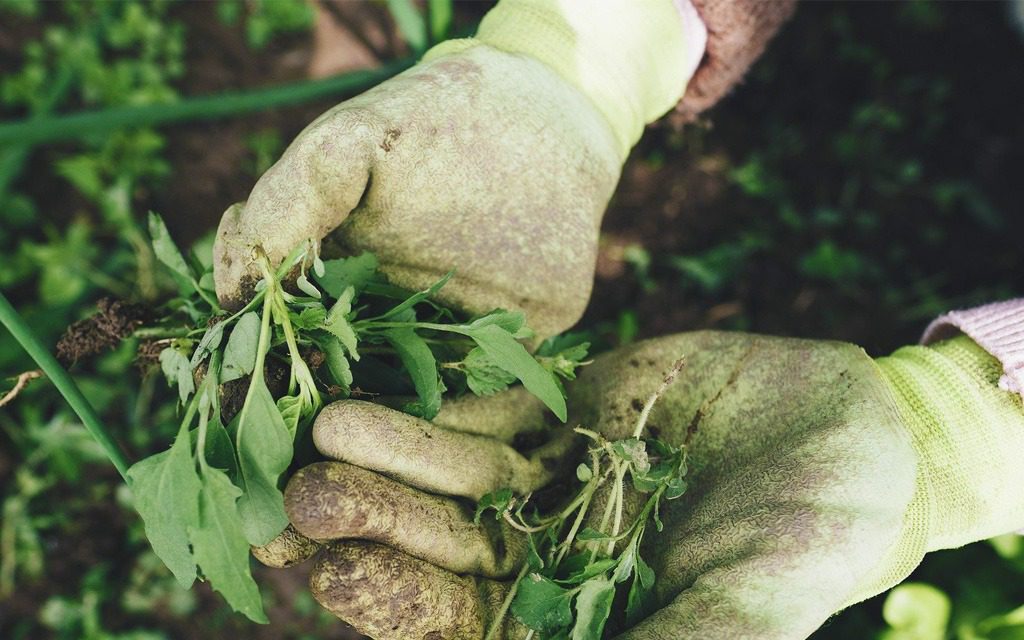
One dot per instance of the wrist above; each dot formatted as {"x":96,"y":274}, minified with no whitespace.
{"x":631,"y":59}
{"x":969,"y":435}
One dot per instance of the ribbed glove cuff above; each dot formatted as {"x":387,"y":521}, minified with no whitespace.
{"x":969,"y":435}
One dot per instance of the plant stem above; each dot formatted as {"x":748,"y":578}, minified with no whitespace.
{"x":670,"y":377}
{"x":65,"y":385}
{"x":499,"y":618}
{"x":49,"y":129}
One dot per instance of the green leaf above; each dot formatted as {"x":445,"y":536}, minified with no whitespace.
{"x":209,"y":342}
{"x":627,"y":562}
{"x":167,"y":253}
{"x":584,"y":473}
{"x":178,"y":370}
{"x":312,"y":317}
{"x":498,"y":500}
{"x":593,"y":605}
{"x":483,"y":377}
{"x":220,"y":452}
{"x":596,"y":568}
{"x":541,"y":604}
{"x":166,"y":494}
{"x":640,"y":599}
{"x":633,"y":451}
{"x":511,"y":321}
{"x":240,"y":352}
{"x":513,"y":357}
{"x":422,"y":367}
{"x":264,"y":448}
{"x":355,"y":272}
{"x":291,"y":412}
{"x":221,"y":548}
{"x":417,"y":298}
{"x":336,"y":361}
{"x":337,"y":323}
{"x":675,"y":488}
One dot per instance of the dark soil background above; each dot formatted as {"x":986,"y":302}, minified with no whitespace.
{"x":865,"y":177}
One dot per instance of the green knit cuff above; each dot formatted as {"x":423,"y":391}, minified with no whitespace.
{"x":969,"y":435}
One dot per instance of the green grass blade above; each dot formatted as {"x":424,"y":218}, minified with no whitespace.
{"x":60,"y":378}
{"x":39,"y":130}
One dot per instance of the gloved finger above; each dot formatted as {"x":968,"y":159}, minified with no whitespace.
{"x":502,"y":416}
{"x":432,"y":458}
{"x":334,"y":500}
{"x":306,"y":194}
{"x":289,"y":548}
{"x":389,"y":595}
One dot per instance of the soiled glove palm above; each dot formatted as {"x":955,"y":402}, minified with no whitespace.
{"x":819,"y":477}
{"x":495,"y":156}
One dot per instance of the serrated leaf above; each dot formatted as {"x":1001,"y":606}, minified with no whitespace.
{"x":312,"y":317}
{"x":542,"y":605}
{"x":419,"y":361}
{"x":513,"y":357}
{"x":221,"y":548}
{"x":483,"y":377}
{"x":633,"y":451}
{"x":337,"y":323}
{"x":166,"y":488}
{"x":178,"y":370}
{"x":343,"y":273}
{"x":593,"y":605}
{"x":264,"y":448}
{"x":240,"y":352}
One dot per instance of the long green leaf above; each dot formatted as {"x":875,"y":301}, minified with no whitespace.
{"x":220,"y":547}
{"x":422,"y":367}
{"x":264,"y":449}
{"x":166,"y":491}
{"x":513,"y":357}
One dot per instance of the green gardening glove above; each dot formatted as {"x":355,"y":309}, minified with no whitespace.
{"x":818,"y":478}
{"x":495,"y":156}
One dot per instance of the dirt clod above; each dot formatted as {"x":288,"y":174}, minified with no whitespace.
{"x":113,"y":321}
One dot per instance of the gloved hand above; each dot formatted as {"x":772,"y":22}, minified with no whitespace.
{"x":495,"y":156}
{"x":818,"y":477}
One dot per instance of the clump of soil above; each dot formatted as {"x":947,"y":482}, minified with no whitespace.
{"x":113,"y":321}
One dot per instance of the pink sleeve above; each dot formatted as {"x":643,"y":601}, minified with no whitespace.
{"x":997,"y":328}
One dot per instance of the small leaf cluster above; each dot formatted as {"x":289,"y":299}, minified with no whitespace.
{"x":573,"y":572}
{"x":217,"y":490}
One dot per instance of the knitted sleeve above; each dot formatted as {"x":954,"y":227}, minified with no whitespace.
{"x":998,"y":328}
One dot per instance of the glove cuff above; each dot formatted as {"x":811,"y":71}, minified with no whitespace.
{"x":628,"y":57}
{"x":969,"y":435}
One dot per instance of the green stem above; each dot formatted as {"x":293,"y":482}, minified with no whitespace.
{"x":499,"y":617}
{"x":49,"y":129}
{"x":65,"y":385}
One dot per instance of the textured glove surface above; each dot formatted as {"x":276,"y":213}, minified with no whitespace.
{"x":801,"y":474}
{"x":476,"y":160}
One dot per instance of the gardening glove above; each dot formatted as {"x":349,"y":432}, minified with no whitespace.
{"x":818,"y":478}
{"x":495,"y":156}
